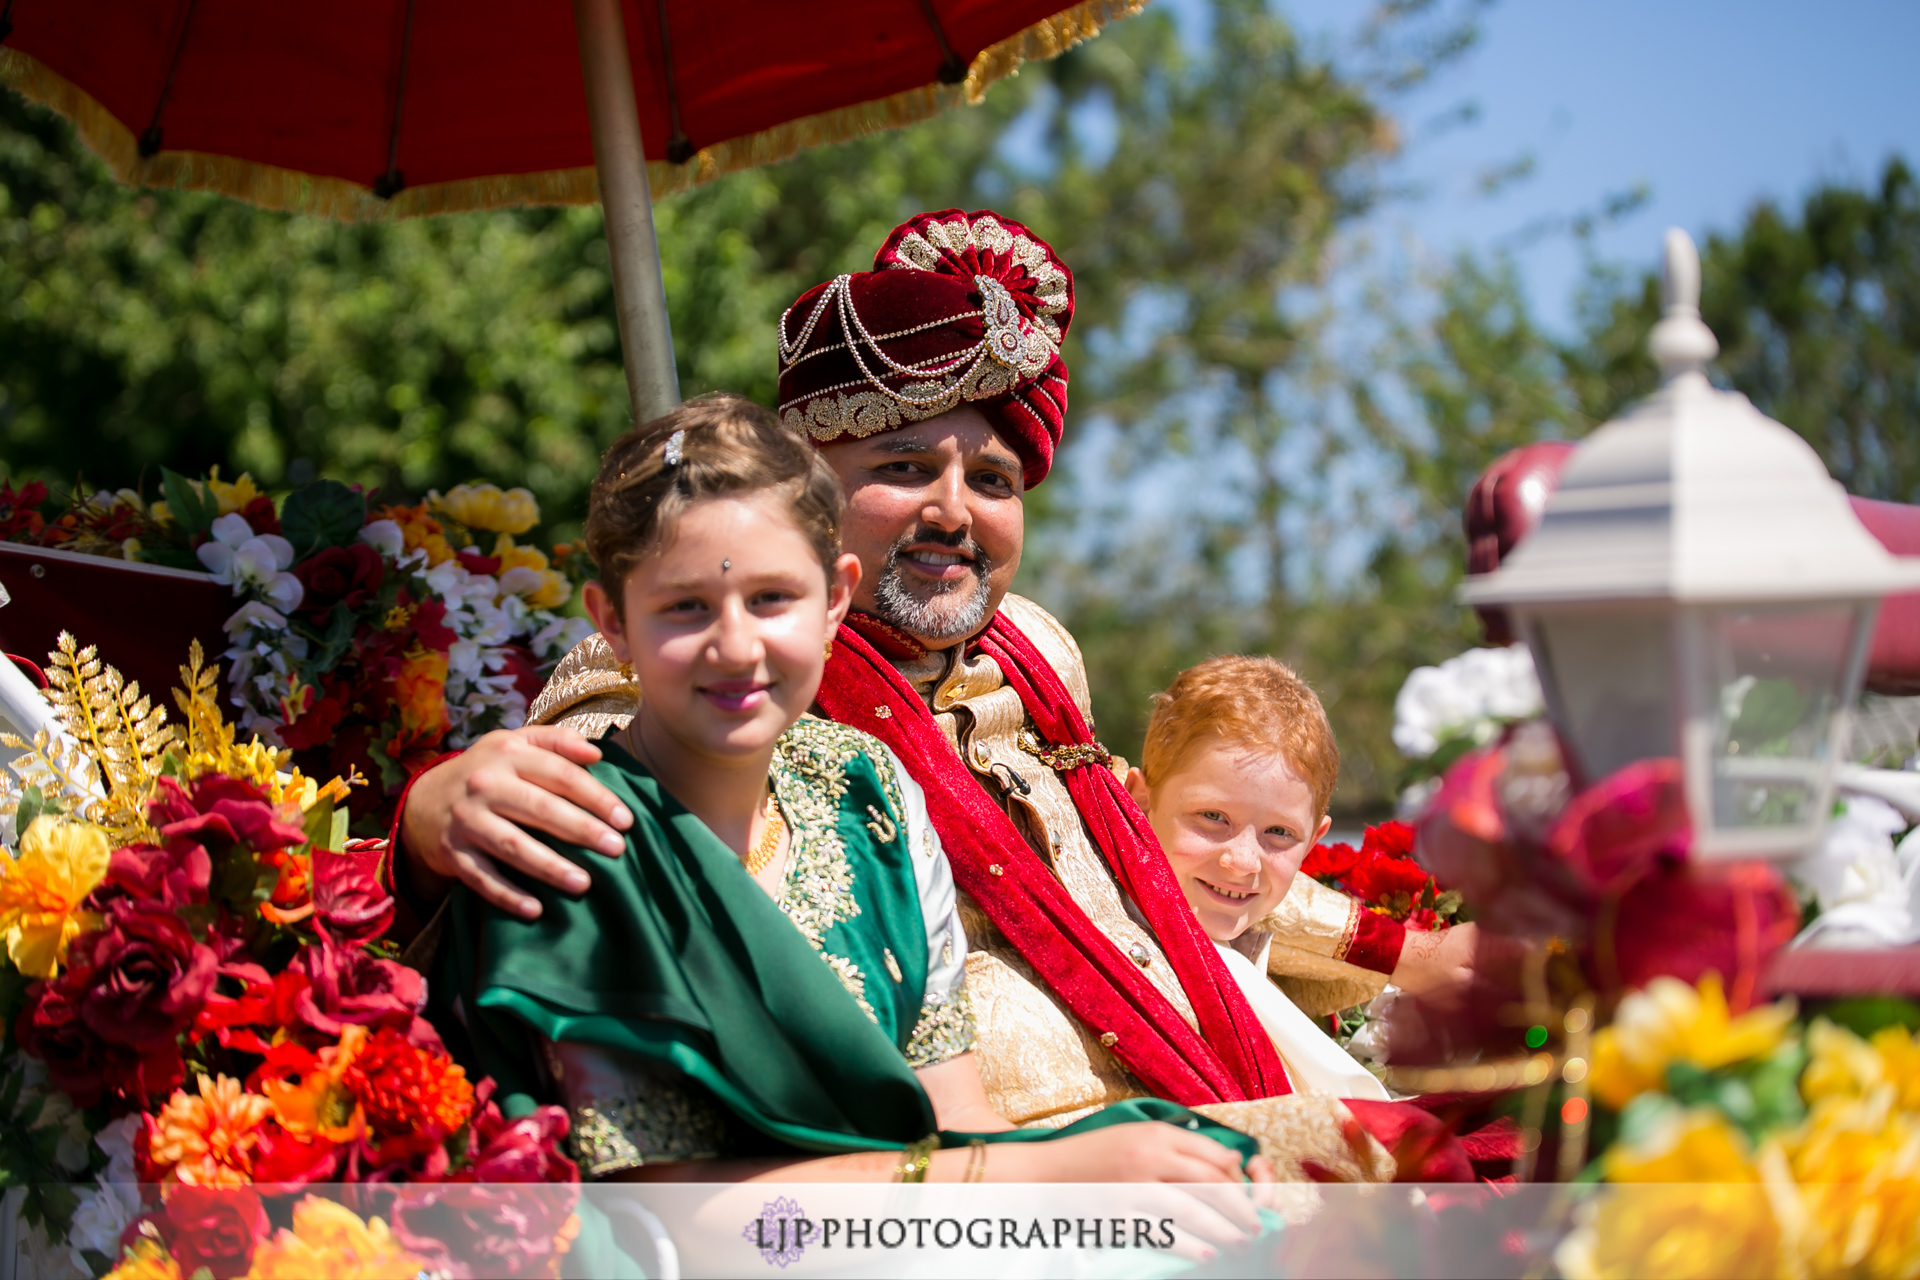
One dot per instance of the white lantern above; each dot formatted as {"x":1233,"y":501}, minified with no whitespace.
{"x":1699,"y":588}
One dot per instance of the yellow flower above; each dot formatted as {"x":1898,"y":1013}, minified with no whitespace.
{"x":1717,"y":1222}
{"x":1672,"y":1022}
{"x":161,"y":513}
{"x":209,"y":1140}
{"x":328,"y":1242}
{"x":41,"y":891}
{"x":1842,"y":1065}
{"x":1856,"y":1162}
{"x":145,"y":1260}
{"x":1695,"y":1146}
{"x":232,"y":495}
{"x":485,"y":506}
{"x":553,"y":588}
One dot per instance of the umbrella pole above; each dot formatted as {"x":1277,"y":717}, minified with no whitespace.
{"x":639,"y":295}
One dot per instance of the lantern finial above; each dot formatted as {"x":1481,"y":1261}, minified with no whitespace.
{"x":1681,"y":343}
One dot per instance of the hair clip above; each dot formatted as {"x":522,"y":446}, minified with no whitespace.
{"x":674,"y":442}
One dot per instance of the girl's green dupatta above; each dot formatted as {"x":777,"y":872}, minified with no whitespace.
{"x":676,"y":954}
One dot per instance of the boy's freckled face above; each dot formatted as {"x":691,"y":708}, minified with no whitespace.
{"x":1236,"y":825}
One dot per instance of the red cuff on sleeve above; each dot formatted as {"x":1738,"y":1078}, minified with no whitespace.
{"x":1377,"y":940}
{"x":407,"y":916}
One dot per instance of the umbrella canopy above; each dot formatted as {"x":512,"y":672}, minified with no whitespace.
{"x":373,"y":109}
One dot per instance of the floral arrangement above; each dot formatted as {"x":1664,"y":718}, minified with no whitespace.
{"x":1382,"y":874}
{"x":1806,"y":1129}
{"x":204,"y":1016}
{"x":1441,"y":713}
{"x":374,"y":637}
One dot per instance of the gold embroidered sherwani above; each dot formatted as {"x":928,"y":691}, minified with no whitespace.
{"x":1040,"y":1064}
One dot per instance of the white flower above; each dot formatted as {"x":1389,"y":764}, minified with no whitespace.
{"x":522,"y":581}
{"x":463,"y":659}
{"x":446,"y":579}
{"x":559,"y":636}
{"x":239,"y":557}
{"x":1472,"y":693}
{"x":285,"y":590}
{"x":255,"y":614}
{"x":1369,"y":1042}
{"x":104,"y":1213}
{"x":1868,"y":889}
{"x":386,"y":537}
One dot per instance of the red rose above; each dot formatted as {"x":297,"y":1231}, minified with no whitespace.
{"x":1330,"y":862}
{"x":173,"y":875}
{"x":346,"y":985}
{"x":145,"y":976}
{"x":1377,"y":880}
{"x":87,"y":1068}
{"x":523,"y":1150}
{"x":430,"y":625}
{"x":471,"y":1224}
{"x":221,"y":808}
{"x":349,"y":906}
{"x":349,"y":575}
{"x":1389,"y":840}
{"x":215,"y":1228}
{"x":260,"y":515}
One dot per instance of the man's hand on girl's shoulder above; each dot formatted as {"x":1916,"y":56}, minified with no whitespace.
{"x":465,"y":815}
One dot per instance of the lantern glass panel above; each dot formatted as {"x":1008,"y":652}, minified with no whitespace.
{"x":1608,"y":678}
{"x":1772,"y":680}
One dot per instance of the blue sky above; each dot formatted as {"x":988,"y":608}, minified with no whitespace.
{"x":1711,"y":104}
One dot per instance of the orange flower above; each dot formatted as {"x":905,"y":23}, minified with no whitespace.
{"x":421,"y":531}
{"x":321,"y":1103}
{"x":420,"y":692}
{"x":405,"y":1089}
{"x":208,"y":1141}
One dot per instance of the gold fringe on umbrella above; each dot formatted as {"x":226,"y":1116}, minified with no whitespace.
{"x":289,"y":191}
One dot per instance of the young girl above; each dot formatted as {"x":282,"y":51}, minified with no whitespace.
{"x":1235,"y":776}
{"x":770,"y":981}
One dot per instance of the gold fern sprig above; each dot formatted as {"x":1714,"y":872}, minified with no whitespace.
{"x":126,"y":735}
{"x":207,"y":738}
{"x":69,"y":774}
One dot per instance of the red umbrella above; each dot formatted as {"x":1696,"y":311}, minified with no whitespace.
{"x":373,"y":109}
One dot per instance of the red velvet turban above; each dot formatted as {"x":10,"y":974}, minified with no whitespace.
{"x":960,"y":308}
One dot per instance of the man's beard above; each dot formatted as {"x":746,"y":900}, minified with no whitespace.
{"x":935,"y":610}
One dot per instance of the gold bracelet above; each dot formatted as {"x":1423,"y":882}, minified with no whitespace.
{"x":918,"y":1156}
{"x":977,"y":1160}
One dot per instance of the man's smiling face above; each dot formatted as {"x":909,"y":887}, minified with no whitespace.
{"x":935,"y":513}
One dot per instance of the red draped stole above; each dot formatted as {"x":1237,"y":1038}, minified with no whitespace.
{"x":1231,"y":1058}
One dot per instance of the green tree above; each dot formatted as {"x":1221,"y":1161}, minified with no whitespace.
{"x":1818,"y":316}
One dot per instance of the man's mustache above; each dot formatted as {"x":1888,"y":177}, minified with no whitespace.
{"x":956,"y":539}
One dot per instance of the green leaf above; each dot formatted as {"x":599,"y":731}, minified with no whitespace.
{"x":193,"y":513}
{"x":324,"y":514}
{"x":1864,"y":1015}
{"x":319,"y":823}
{"x":337,"y":837}
{"x":31,"y":803}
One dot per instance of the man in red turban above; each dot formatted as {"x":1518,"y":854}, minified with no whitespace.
{"x":935,"y":387}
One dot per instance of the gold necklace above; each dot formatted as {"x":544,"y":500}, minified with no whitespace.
{"x":769,"y":842}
